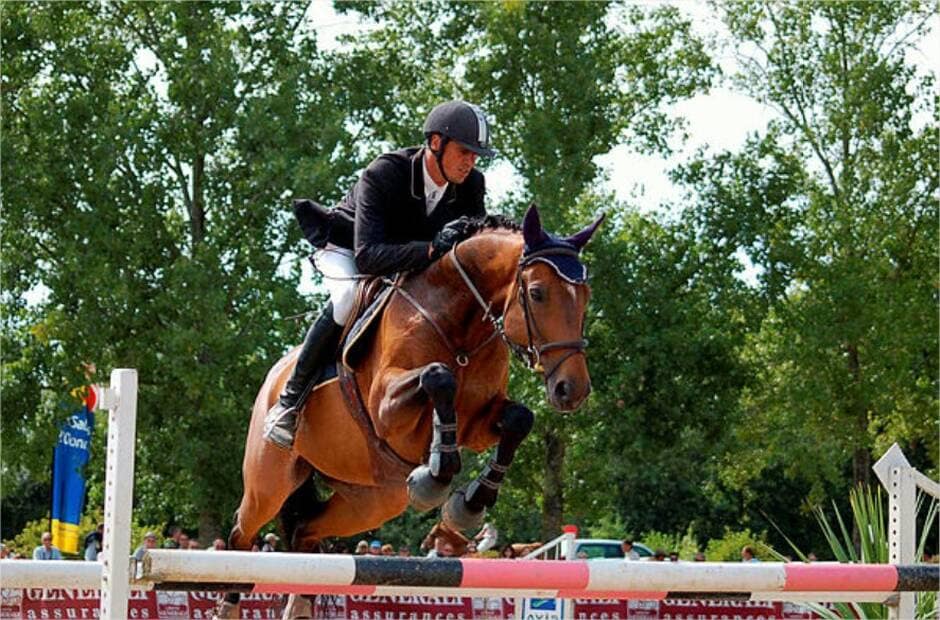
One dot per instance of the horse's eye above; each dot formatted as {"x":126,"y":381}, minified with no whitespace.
{"x":536,"y":294}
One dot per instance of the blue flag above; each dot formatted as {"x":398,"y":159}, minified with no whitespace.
{"x":68,"y":481}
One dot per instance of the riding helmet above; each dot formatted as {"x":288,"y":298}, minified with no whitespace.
{"x":462,"y":122}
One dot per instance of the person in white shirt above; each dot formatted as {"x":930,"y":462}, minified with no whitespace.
{"x":486,"y":538}
{"x":46,"y":551}
{"x":629,"y":553}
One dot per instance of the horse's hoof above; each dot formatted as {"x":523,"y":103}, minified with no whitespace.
{"x":458,"y":516}
{"x":424,"y":492}
{"x":225,"y":609}
{"x":298,"y":606}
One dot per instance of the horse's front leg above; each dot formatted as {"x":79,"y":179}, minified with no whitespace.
{"x":467,"y":507}
{"x":429,"y":484}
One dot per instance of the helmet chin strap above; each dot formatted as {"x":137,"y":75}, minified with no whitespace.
{"x":439,"y":157}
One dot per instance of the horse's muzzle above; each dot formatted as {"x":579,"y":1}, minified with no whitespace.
{"x":566,"y":394}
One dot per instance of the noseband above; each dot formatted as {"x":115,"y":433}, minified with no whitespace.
{"x":530,"y":355}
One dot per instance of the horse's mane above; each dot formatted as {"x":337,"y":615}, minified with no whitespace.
{"x":490,"y":222}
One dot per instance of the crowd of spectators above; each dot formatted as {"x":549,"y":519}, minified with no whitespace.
{"x":439,"y":543}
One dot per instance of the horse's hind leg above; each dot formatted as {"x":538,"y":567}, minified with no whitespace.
{"x":428,"y":484}
{"x":353,"y":511}
{"x":466,"y":508}
{"x":268,"y":484}
{"x":270,"y":476}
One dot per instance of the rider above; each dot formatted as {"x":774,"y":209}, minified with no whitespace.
{"x":407,"y":209}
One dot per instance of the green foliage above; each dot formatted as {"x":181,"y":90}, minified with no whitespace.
{"x":836,"y":207}
{"x":608,"y":526}
{"x":685,"y":544}
{"x":28,"y":538}
{"x":728,"y":547}
{"x":150,"y":150}
{"x":870,"y":519}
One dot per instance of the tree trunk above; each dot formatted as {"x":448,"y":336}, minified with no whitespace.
{"x":553,"y":499}
{"x":197,"y":211}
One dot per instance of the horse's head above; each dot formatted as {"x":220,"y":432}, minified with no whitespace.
{"x":545,"y":321}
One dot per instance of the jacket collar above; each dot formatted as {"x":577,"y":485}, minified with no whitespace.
{"x":417,"y":179}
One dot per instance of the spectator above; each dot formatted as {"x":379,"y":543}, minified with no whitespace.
{"x":362,"y":547}
{"x":182,"y":541}
{"x":441,"y":546}
{"x":673,"y":556}
{"x":508,"y":552}
{"x":582,"y":555}
{"x":629,"y":553}
{"x":270,"y":542}
{"x":340,"y":548}
{"x":255,"y":546}
{"x":46,"y":551}
{"x":375,"y":547}
{"x":659,"y":556}
{"x":194,"y":544}
{"x":387,"y":549}
{"x":471,"y":550}
{"x":404,"y":551}
{"x":93,"y":543}
{"x":486,"y":537}
{"x":150,"y":542}
{"x":217,"y":545}
{"x":699,"y":556}
{"x":446,"y":549}
{"x":4,"y":552}
{"x":811,"y":557}
{"x":172,"y":539}
{"x":747,"y":554}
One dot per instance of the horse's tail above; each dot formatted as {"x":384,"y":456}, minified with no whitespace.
{"x":302,"y":505}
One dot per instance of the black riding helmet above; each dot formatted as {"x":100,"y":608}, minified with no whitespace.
{"x":462,"y":122}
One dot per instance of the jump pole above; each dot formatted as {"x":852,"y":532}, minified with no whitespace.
{"x":295,"y":572}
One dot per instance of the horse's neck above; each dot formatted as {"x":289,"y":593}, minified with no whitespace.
{"x":490,"y":260}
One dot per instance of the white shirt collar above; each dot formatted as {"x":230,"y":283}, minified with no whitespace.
{"x":432,"y":191}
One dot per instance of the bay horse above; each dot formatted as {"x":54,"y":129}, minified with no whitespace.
{"x":434,"y":379}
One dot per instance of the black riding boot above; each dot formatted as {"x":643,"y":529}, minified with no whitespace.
{"x":319,"y":347}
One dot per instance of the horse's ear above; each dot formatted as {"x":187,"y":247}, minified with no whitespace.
{"x":532,"y":231}
{"x":580,"y":239}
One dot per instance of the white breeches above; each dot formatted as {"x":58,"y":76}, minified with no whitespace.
{"x":338,"y":267}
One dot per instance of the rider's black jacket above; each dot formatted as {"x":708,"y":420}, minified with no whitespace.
{"x":384,"y":219}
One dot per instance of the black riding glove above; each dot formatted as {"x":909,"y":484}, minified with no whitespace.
{"x":449,"y":236}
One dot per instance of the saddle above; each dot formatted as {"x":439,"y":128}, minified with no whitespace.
{"x":372,"y":295}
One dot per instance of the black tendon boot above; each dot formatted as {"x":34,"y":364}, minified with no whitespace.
{"x":318,"y":349}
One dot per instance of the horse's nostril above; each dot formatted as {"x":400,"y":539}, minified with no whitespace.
{"x":563,"y":390}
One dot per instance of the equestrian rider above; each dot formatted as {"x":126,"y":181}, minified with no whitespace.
{"x":407,"y":209}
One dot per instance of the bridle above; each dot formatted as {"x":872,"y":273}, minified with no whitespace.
{"x":530,"y":355}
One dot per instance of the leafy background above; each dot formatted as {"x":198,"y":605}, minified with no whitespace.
{"x":150,"y":152}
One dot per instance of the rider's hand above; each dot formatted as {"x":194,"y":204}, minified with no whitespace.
{"x":452,"y":233}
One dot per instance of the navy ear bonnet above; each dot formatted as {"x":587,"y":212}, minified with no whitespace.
{"x":560,"y":254}
{"x":564,"y":263}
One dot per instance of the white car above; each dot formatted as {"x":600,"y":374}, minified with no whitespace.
{"x":596,"y":548}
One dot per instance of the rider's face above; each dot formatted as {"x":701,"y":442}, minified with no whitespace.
{"x":458,"y":160}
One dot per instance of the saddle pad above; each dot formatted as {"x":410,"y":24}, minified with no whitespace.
{"x":359,"y":335}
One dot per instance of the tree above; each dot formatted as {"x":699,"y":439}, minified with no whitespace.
{"x":837,"y":204}
{"x":149,"y":151}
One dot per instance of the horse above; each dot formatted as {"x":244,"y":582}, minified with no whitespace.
{"x":433,"y":378}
